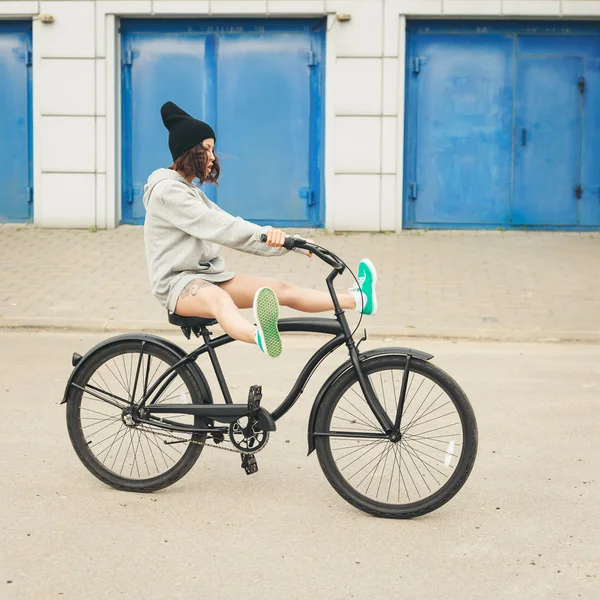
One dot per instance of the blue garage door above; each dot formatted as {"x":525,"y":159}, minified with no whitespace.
{"x":259,"y":83}
{"x":503,"y":126}
{"x":15,"y":119}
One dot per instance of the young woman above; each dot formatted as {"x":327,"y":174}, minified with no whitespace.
{"x":184,"y":231}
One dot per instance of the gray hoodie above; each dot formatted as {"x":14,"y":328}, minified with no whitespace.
{"x":184,"y":232}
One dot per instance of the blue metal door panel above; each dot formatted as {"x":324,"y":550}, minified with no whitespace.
{"x":547,"y":141}
{"x":589,"y":206}
{"x":15,"y":108}
{"x":264,"y":125}
{"x":253,"y":82}
{"x":154,"y":72}
{"x":561,"y":45}
{"x":554,"y":125}
{"x":463,"y":93}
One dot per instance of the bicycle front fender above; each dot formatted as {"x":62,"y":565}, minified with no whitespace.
{"x":166,"y":344}
{"x":370,"y":354}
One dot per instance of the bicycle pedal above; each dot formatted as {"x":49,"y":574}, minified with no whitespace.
{"x":254,"y":397}
{"x":249,"y":464}
{"x":217,"y":438}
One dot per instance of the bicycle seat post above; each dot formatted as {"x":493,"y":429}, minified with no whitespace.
{"x":216,"y":365}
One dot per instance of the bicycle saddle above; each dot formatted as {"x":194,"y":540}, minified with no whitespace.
{"x":175,"y":319}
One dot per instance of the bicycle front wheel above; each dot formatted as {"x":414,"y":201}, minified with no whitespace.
{"x":122,"y":453}
{"x":420,"y":472}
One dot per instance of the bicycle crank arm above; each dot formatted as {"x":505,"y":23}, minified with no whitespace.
{"x":223,"y":413}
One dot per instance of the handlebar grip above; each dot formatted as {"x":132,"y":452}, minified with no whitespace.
{"x":289,"y":243}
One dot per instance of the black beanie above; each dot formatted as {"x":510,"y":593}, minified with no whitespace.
{"x":185,"y":132}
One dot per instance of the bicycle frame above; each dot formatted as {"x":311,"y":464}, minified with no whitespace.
{"x":338,"y":327}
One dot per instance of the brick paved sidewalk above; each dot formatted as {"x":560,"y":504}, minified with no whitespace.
{"x":496,"y":285}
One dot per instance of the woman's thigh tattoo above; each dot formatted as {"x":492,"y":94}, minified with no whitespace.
{"x":193,"y":287}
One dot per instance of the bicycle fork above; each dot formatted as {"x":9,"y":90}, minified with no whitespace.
{"x":392,"y":430}
{"x":367,"y":389}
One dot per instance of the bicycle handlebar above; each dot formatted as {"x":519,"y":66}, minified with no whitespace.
{"x":292,"y":243}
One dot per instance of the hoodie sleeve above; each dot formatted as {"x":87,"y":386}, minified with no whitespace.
{"x":187,"y":212}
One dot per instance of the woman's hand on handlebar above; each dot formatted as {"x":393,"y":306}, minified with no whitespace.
{"x":275,"y":238}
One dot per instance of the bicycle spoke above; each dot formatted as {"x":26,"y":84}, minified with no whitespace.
{"x":442,"y":439}
{"x":101,"y":428}
{"x":413,"y":396}
{"x":383,"y":472}
{"x":411,"y":452}
{"x":141,"y":446}
{"x":369,"y":449}
{"x":386,"y":450}
{"x":365,"y":423}
{"x":360,"y":447}
{"x":419,"y":470}
{"x":95,"y":412}
{"x":430,"y":412}
{"x":127,"y":451}
{"x":135,"y":456}
{"x":118,"y":379}
{"x":120,"y":446}
{"x":363,"y":400}
{"x":425,"y":412}
{"x":445,"y":453}
{"x":171,"y":394}
{"x":103,"y":440}
{"x":106,"y":384}
{"x":424,"y":400}
{"x":403,"y":460}
{"x":152,"y":380}
{"x":126,"y":377}
{"x":434,"y":419}
{"x":438,"y":428}
{"x":399,"y":461}
{"x":363,"y":467}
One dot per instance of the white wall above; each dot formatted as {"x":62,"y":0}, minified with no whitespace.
{"x":76,"y":97}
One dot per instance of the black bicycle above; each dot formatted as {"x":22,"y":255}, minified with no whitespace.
{"x":395,"y":435}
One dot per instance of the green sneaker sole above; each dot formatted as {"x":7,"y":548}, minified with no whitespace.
{"x":266,"y":315}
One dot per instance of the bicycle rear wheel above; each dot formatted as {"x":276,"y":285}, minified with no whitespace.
{"x":123,"y":454}
{"x":422,"y":471}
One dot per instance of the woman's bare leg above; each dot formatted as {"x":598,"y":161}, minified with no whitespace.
{"x":243,"y":287}
{"x":199,"y":298}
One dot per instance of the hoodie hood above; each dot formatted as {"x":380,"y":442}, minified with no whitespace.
{"x":161,"y":175}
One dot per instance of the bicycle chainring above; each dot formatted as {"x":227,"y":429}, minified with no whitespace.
{"x":248,"y":444}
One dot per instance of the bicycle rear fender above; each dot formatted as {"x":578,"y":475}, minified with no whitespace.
{"x":167,"y":344}
{"x":365,"y":356}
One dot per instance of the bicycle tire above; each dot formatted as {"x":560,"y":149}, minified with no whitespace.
{"x":407,"y":510}
{"x":83,"y":447}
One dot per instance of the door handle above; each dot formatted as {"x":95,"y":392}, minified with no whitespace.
{"x":523,"y":137}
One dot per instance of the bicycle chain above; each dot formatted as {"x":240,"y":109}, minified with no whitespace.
{"x":234,"y":450}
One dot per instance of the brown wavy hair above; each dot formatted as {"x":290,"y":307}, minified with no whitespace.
{"x":194,"y":161}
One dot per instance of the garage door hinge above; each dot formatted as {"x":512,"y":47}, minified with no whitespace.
{"x":416,"y":65}
{"x":29,"y":194}
{"x":581,"y":85}
{"x":127,"y":58}
{"x":312,"y":59}
{"x":578,"y":191}
{"x":23,"y":55}
{"x":308,"y":195}
{"x":413,"y":190}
